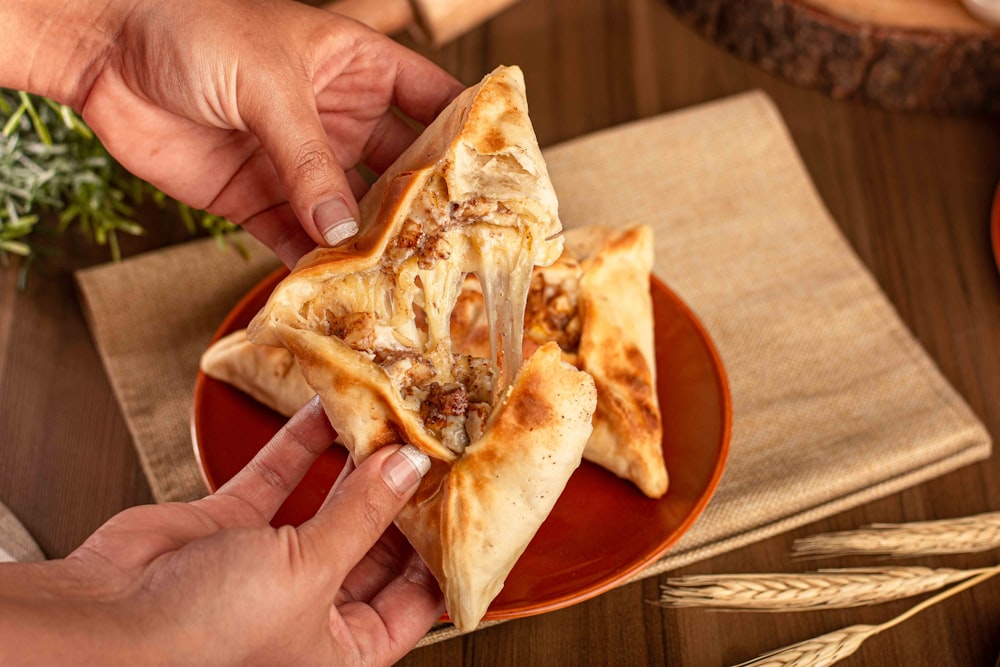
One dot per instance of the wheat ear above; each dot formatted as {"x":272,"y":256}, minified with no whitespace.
{"x":979,"y":532}
{"x":825,"y":589}
{"x":837,"y":645}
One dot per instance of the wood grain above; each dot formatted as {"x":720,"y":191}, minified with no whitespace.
{"x":895,"y":53}
{"x":910,"y":191}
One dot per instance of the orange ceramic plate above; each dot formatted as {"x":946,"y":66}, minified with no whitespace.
{"x":601,"y":531}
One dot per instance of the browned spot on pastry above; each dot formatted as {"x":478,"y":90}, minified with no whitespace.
{"x":498,"y":96}
{"x":624,"y":241}
{"x":530,"y":408}
{"x":432,"y":481}
{"x":635,"y":373}
{"x":387,"y":435}
{"x":493,"y":140}
{"x":625,"y":389}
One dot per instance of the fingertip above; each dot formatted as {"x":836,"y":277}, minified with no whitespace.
{"x":335,"y":220}
{"x":281,"y":231}
{"x":456,"y":89}
{"x":361,"y":506}
{"x":423,"y":89}
{"x":404,"y":468}
{"x":277,"y":469}
{"x":308,"y":167}
{"x":311,"y":418}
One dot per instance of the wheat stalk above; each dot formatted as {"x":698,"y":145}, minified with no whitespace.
{"x":835,"y":646}
{"x":979,"y":532}
{"x":818,"y":651}
{"x":825,"y":589}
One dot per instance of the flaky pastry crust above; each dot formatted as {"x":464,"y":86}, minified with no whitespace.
{"x":369,"y":324}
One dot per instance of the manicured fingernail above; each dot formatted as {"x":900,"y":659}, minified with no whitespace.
{"x":404,"y":469}
{"x":335,"y":221}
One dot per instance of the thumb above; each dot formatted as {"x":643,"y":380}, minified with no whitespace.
{"x":289,"y":129}
{"x":361,"y":506}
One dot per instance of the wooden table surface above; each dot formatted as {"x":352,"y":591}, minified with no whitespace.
{"x":912,"y":193}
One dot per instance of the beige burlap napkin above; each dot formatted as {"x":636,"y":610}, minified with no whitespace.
{"x":834,"y":402}
{"x":151,"y":317}
{"x":16,"y":544}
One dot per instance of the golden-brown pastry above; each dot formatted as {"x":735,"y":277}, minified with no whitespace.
{"x":610,"y":337}
{"x":269,"y":374}
{"x":616,"y":348}
{"x":369,"y":324}
{"x":594,"y":302}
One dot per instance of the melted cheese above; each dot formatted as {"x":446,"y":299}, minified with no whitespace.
{"x":412,"y":292}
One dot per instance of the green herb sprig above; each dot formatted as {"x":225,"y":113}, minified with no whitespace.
{"x":55,"y":175}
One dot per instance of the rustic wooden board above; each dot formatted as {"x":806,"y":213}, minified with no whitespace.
{"x":899,"y":54}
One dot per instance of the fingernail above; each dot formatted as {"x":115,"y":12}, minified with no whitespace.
{"x":335,"y":221}
{"x":405,"y":468}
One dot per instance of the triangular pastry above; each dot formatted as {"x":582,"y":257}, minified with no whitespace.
{"x":369,"y":324}
{"x":616,"y":347}
{"x":269,"y":374}
{"x":594,"y":301}
{"x":605,"y":270}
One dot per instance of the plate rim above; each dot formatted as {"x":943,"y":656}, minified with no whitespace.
{"x":200,"y":378}
{"x":624,"y":575}
{"x":621,"y":576}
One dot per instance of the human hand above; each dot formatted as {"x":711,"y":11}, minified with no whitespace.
{"x":210,"y":582}
{"x":258,"y":111}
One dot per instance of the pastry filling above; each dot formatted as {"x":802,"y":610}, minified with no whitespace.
{"x":552,"y":314}
{"x":399,"y":313}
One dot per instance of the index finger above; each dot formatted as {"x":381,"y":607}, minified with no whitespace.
{"x":360,"y":508}
{"x":422,"y":89}
{"x":277,"y":469}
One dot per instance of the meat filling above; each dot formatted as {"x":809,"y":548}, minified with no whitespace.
{"x":552,"y":313}
{"x":452,"y":393}
{"x":454,"y":403}
{"x":456,"y":412}
{"x":443,"y":411}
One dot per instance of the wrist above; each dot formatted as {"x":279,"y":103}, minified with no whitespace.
{"x":57,"y":48}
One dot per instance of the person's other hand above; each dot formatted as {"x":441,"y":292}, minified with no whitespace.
{"x":259,"y":111}
{"x":210,"y":582}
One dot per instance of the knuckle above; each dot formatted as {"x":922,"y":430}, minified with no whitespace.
{"x":307,"y":436}
{"x":371,"y":513}
{"x":313,"y":162}
{"x":269,"y":474}
{"x":291,"y":545}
